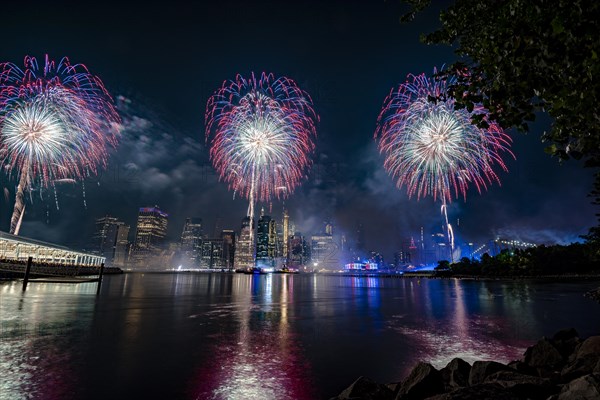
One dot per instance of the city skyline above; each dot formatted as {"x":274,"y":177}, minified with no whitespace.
{"x":162,"y":158}
{"x":275,"y":244}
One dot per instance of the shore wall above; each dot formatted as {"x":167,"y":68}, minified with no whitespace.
{"x":9,"y":271}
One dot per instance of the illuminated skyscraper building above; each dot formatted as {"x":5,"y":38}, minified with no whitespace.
{"x":285,"y":236}
{"x":244,"y":247}
{"x":150,"y":234}
{"x":266,"y":242}
{"x":228,"y":248}
{"x":111,"y":240}
{"x":324,"y":252}
{"x":121,"y":246}
{"x":298,"y":256}
{"x":105,"y":236}
{"x":211,"y":254}
{"x":191,"y":240}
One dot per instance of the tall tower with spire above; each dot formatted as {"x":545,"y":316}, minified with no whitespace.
{"x":286,"y":233}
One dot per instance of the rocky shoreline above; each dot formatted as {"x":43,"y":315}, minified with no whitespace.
{"x":563,"y":367}
{"x":593,"y":294}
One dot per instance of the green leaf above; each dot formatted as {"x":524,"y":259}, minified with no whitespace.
{"x":557,"y":26}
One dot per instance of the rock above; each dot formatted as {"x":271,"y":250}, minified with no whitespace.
{"x":597,"y":369}
{"x":585,"y":388}
{"x":366,"y":389}
{"x":589,"y":346}
{"x":593,"y":294}
{"x":423,"y":381}
{"x":584,"y":360}
{"x":482,"y":369}
{"x":487,"y":391}
{"x":394,"y":387}
{"x":523,"y":368}
{"x":524,"y":386}
{"x":543,"y":354}
{"x":565,"y":334}
{"x":566,"y":341}
{"x":456,"y":374}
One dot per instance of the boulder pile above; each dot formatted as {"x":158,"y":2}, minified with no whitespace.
{"x":593,"y":294}
{"x":563,"y":367}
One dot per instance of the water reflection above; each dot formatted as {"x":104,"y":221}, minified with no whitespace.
{"x":470,"y":320}
{"x":35,"y":338}
{"x":234,"y":336}
{"x":264,"y":359}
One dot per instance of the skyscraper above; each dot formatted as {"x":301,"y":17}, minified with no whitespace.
{"x":324,"y":252}
{"x":105,"y":236}
{"x":298,"y":252}
{"x":121,"y":247}
{"x":111,"y":240}
{"x":228,"y":248}
{"x":286,"y":233}
{"x":264,"y":247}
{"x":191,"y":239}
{"x":211,"y":254}
{"x":244,"y":247}
{"x":150,"y":233}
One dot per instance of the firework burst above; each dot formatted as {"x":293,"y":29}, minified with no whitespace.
{"x":261,"y":134}
{"x":55,"y":123}
{"x":433,"y":149}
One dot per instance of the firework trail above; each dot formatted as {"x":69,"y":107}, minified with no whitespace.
{"x":55,"y":123}
{"x":432,"y":148}
{"x":261,"y":134}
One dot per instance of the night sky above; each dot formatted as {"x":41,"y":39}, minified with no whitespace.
{"x":162,"y":61}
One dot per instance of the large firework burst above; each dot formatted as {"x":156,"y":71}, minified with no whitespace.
{"x":261,"y":133}
{"x":432,"y":148}
{"x":55,"y":123}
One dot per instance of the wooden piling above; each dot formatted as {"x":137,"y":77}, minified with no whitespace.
{"x":27,"y":271}
{"x":100,"y":278}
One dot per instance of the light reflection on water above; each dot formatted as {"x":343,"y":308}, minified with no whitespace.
{"x":31,"y":359}
{"x":202,"y":336}
{"x":264,"y":359}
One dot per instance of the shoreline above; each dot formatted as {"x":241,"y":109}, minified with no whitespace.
{"x":411,"y":275}
{"x":12,"y":272}
{"x":561,"y":367}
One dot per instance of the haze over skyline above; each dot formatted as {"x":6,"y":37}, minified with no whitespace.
{"x":162,"y":62}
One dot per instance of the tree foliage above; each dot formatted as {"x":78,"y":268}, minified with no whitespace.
{"x":576,"y":258}
{"x":520,"y":58}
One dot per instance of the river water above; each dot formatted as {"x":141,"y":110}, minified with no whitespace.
{"x":234,"y":336}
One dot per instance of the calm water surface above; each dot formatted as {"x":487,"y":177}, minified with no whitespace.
{"x":220,"y":336}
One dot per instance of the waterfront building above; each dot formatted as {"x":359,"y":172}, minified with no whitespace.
{"x":191,"y":240}
{"x":110,"y":240}
{"x":211,"y":254}
{"x":150,"y":234}
{"x":298,"y":256}
{"x":262,"y":238}
{"x":121,"y":246}
{"x":324,"y":252}
{"x":376,"y":258}
{"x":401,"y":259}
{"x":105,"y":236}
{"x":244,"y":247}
{"x":361,"y":266}
{"x":285,"y":235}
{"x":266,"y":242}
{"x":228,"y":237}
{"x":18,"y":249}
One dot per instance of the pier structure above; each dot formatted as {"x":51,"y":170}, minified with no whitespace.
{"x":18,"y":249}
